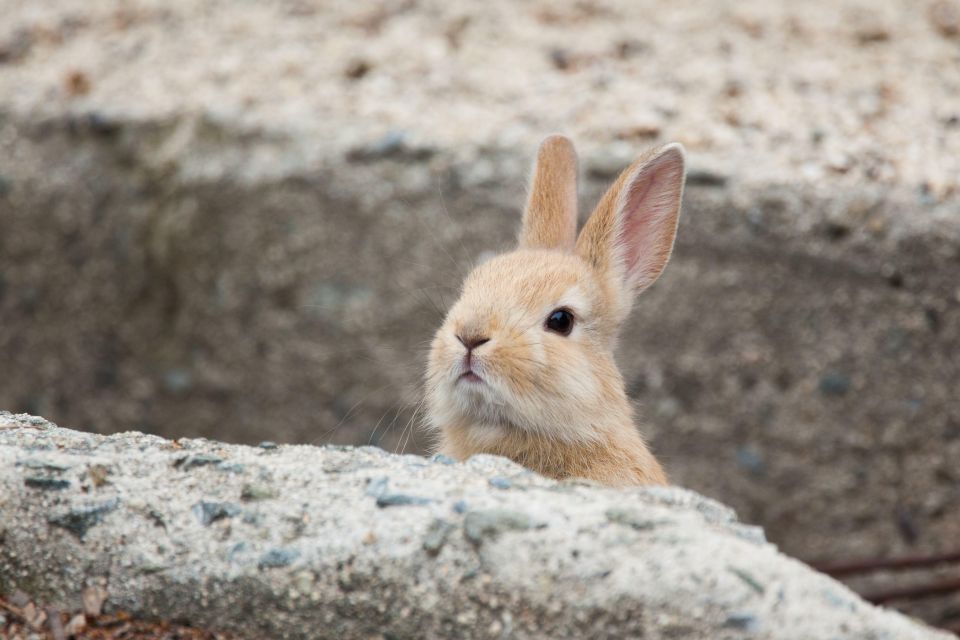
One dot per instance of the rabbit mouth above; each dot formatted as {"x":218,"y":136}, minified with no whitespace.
{"x":470,"y":377}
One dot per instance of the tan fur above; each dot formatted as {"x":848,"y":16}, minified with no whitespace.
{"x":554,"y":403}
{"x":550,"y":218}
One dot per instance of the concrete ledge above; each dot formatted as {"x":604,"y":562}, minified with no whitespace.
{"x":307,"y":542}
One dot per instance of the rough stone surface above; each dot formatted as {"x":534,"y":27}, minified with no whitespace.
{"x":242,"y":220}
{"x":324,"y":559}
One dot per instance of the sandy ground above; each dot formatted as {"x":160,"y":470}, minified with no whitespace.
{"x":825,"y":93}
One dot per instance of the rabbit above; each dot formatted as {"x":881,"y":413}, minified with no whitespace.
{"x":523,"y":364}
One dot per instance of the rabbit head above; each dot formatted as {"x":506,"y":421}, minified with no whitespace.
{"x":528,"y":349}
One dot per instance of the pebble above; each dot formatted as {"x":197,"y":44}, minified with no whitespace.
{"x":606,"y":165}
{"x":393,"y":145}
{"x":196,"y":460}
{"x":460,"y":506}
{"x":485,"y":524}
{"x":209,"y":512}
{"x":276,"y":558}
{"x":742,"y":620}
{"x":632,"y":519}
{"x":499,"y":482}
{"x":357,"y":68}
{"x":442,"y":459}
{"x":400,"y":500}
{"x":47,"y":484}
{"x":748,"y":579}
{"x":835,"y":384}
{"x":177,"y":380}
{"x":42,"y":465}
{"x":268,"y":445}
{"x":377,"y":486}
{"x":436,"y":536}
{"x":257,"y":491}
{"x":101,"y":124}
{"x":98,"y":474}
{"x":750,"y":461}
{"x":698,"y":177}
{"x":80,"y":520}
{"x":945,"y":17}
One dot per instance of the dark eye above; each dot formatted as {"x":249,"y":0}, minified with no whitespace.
{"x":560,"y":321}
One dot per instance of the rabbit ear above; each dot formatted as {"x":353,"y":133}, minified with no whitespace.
{"x":550,"y":219}
{"x":630,"y":233}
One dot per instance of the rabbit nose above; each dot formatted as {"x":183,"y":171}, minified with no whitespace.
{"x":472,"y":342}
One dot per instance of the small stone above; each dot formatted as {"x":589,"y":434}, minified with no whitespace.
{"x":257,"y":491}
{"x":606,"y":165}
{"x":102,"y":125}
{"x":561,"y":59}
{"x":630,"y":47}
{"x":436,"y":536}
{"x":357,"y":68}
{"x":80,"y":520}
{"x":750,"y":460}
{"x":76,"y":625}
{"x":485,"y":524}
{"x":276,"y":558}
{"x":907,"y":525}
{"x":177,"y":380}
{"x":869,"y":28}
{"x":944,"y":16}
{"x":196,"y":460}
{"x":701,"y":177}
{"x":839,"y":162}
{"x":376,"y":487}
{"x":742,"y":620}
{"x":16,"y":46}
{"x":98,"y":475}
{"x":835,"y":384}
{"x":76,"y":83}
{"x":747,"y":579}
{"x":42,"y":465}
{"x":46,"y":484}
{"x":268,"y":445}
{"x":393,"y":145}
{"x":442,"y":459}
{"x":151,"y":569}
{"x":460,"y":506}
{"x":400,"y":500}
{"x":209,"y":512}
{"x":643,"y":129}
{"x":499,"y":482}
{"x":632,"y":519}
{"x":93,"y":599}
{"x":892,"y":275}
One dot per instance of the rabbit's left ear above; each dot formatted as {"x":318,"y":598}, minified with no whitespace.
{"x":630,"y":234}
{"x":550,"y":219}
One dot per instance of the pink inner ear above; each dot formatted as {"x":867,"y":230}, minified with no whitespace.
{"x":648,"y":218}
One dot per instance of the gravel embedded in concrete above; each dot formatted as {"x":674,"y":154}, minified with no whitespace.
{"x":322,"y":560}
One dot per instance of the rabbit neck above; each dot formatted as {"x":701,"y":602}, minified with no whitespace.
{"x":617,"y":456}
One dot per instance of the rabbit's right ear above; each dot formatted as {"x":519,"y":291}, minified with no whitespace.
{"x":550,"y":219}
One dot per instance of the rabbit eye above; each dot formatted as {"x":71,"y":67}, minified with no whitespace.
{"x":560,"y":321}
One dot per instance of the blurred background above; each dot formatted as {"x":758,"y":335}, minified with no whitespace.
{"x":244,"y":220}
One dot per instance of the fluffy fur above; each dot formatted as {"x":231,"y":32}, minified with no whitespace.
{"x":555,"y":403}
